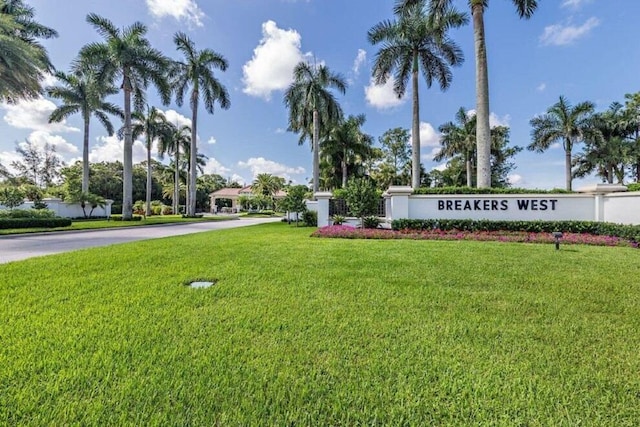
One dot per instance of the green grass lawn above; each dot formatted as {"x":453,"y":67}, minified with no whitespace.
{"x":103,"y":223}
{"x":306,"y":331}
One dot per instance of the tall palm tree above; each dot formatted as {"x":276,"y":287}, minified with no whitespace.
{"x":152,"y":125}
{"x":197,"y":72}
{"x":312,"y":106}
{"x":173,"y":140}
{"x":525,"y":9}
{"x":346,"y":142}
{"x":23,"y":61}
{"x":267,"y":185}
{"x":415,"y":42}
{"x":562,"y":123}
{"x":81,"y":92}
{"x":459,"y":137}
{"x":126,"y":56}
{"x":632,"y":113}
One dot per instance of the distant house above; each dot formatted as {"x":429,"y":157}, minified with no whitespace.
{"x":234,"y":194}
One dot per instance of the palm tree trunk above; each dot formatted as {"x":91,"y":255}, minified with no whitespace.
{"x":483,"y":130}
{"x":127,"y":174}
{"x":193,"y":171}
{"x":469,"y":172}
{"x":176,"y":182}
{"x":316,"y":152}
{"x":85,"y":156}
{"x":147,"y":209}
{"x":567,"y":166}
{"x":344,"y":172}
{"x":609,"y":174}
{"x":415,"y":132}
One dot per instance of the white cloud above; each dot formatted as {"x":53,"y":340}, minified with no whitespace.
{"x":63,"y":148}
{"x":441,"y":167}
{"x":555,"y":146}
{"x":111,"y":149}
{"x":515,"y":179}
{"x":494,"y":119}
{"x":176,"y":118}
{"x":382,"y":96}
{"x":360,"y":59}
{"x":214,"y":166}
{"x":561,"y":35}
{"x":34,"y":115}
{"x":429,"y":137}
{"x":575,"y":4}
{"x":274,"y":59}
{"x":181,"y":10}
{"x":280,"y":130}
{"x":211,"y":141}
{"x":7,"y":157}
{"x":239,"y":179}
{"x":259,"y":165}
{"x":541,"y":87}
{"x":431,"y":154}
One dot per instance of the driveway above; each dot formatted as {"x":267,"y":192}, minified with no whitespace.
{"x":19,"y":247}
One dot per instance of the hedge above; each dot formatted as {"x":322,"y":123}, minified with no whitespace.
{"x":472,"y":190}
{"x":634,"y":187}
{"x":6,"y":223}
{"x":631,"y":232}
{"x":133,"y":218}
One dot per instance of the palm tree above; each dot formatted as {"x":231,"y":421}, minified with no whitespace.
{"x":197,"y":72}
{"x":525,"y":9}
{"x":459,"y":137}
{"x":83,"y":93}
{"x":151,"y":125}
{"x":562,"y":123}
{"x":23,"y":61}
{"x":416,"y":42}
{"x":312,"y":106}
{"x":127,"y":56}
{"x":267,"y":185}
{"x":173,"y":140}
{"x":632,"y":113}
{"x":346,"y":142}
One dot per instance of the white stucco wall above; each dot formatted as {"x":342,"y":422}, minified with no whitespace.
{"x":622,"y":208}
{"x":69,"y":210}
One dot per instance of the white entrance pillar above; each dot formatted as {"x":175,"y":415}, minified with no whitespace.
{"x":399,"y":202}
{"x":323,"y":207}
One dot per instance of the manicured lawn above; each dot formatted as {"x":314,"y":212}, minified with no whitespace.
{"x":96,"y":224}
{"x":307,"y":331}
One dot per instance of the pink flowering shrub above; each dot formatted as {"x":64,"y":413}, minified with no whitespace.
{"x":345,"y":232}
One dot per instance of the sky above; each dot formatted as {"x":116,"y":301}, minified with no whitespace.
{"x":585,"y":50}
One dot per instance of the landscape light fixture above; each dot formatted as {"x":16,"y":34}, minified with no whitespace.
{"x":557,"y":235}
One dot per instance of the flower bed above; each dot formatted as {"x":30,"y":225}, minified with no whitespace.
{"x":345,"y":232}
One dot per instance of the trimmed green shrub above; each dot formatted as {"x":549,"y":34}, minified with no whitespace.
{"x":133,"y":218}
{"x":310,"y":218}
{"x":6,"y":223}
{"x":192,"y":216}
{"x":27,"y":213}
{"x":370,"y":222}
{"x":631,"y":232}
{"x":634,"y":187}
{"x":338,"y":219}
{"x":472,"y":190}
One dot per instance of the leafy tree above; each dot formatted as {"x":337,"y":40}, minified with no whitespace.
{"x":207,"y":184}
{"x":416,"y":42}
{"x":312,"y":106}
{"x":126,"y":56}
{"x":348,"y":144}
{"x":295,"y":200}
{"x":362,"y":198}
{"x":173,"y":140}
{"x":396,"y":155}
{"x":23,"y":61}
{"x":37,"y":166}
{"x":632,"y":115}
{"x":197,"y":72}
{"x":11,"y":197}
{"x":562,"y":123}
{"x":459,"y":138}
{"x":82,"y":92}
{"x":525,"y":9}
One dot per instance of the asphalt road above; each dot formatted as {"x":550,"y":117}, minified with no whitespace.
{"x":19,"y":247}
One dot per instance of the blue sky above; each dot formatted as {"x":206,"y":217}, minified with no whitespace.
{"x":582,"y":49}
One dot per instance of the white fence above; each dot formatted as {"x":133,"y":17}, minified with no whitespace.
{"x":70,"y":210}
{"x":602,"y":202}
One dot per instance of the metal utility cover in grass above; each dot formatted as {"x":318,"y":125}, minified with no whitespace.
{"x":201,"y":284}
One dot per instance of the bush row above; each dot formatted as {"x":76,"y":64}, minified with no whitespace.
{"x":6,"y":223}
{"x":631,"y":232}
{"x":133,"y":218}
{"x":27,"y":213}
{"x":472,"y":190}
{"x":634,"y":187}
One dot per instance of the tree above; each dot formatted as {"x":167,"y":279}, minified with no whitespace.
{"x":347,"y":144}
{"x":396,"y":155}
{"x":197,"y":72}
{"x":632,"y":114}
{"x":40,"y":167}
{"x":459,"y":138}
{"x":312,"y":106}
{"x":82,"y":92}
{"x":415,"y":42}
{"x":173,"y":140}
{"x":525,"y":9}
{"x":295,"y":200}
{"x":126,"y":55}
{"x":562,"y":123}
{"x":362,"y":198}
{"x":11,"y":197}
{"x":151,"y":125}
{"x":23,"y":61}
